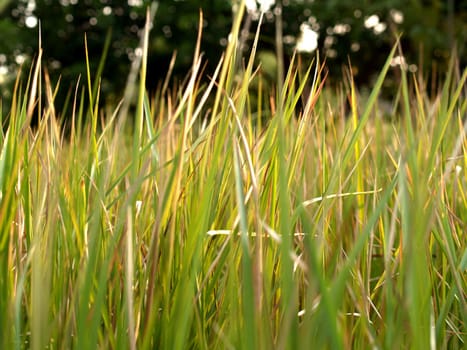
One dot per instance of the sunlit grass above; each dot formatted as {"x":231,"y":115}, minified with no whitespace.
{"x":205,"y":225}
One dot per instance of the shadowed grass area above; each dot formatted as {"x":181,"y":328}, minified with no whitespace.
{"x":216,"y":222}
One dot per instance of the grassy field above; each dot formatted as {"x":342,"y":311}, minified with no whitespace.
{"x":209,"y":220}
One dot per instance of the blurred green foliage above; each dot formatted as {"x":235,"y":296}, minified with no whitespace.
{"x":430,"y":30}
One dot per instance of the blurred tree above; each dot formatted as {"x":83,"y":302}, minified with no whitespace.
{"x":363,"y":31}
{"x":360,"y":30}
{"x":3,"y":4}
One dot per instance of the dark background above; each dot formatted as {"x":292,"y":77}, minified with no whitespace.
{"x":430,"y":30}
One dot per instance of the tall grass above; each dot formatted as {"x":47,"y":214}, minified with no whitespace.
{"x":219,"y":221}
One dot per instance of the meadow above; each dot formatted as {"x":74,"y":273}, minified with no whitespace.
{"x":209,"y":220}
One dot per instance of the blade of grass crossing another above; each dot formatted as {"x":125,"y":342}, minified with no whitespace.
{"x":363,"y":119}
{"x":228,"y":68}
{"x":338,"y":286}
